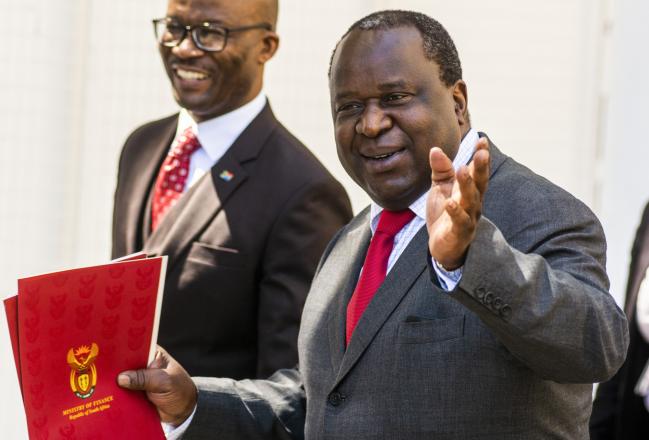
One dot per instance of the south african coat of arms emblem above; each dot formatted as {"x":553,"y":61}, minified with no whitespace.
{"x":83,"y":377}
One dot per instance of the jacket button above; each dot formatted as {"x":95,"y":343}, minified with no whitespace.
{"x":505,"y":312}
{"x":335,"y":398}
{"x":498,"y":303}
{"x":480,"y":292}
{"x":488,"y":298}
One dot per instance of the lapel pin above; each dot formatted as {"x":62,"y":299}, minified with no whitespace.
{"x":226,"y":175}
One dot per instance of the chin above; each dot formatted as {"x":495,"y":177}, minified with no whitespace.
{"x":393,"y":203}
{"x":398,"y":201}
{"x":196,"y":108}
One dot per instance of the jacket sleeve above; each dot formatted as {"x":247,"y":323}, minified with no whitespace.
{"x":543,"y":291}
{"x":272,"y":409}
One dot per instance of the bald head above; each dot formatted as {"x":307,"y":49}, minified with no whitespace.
{"x":268,"y":10}
{"x":258,"y":11}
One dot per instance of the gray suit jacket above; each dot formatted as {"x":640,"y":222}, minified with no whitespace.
{"x":511,"y":353}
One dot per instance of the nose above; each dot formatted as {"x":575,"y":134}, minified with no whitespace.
{"x":373,"y":122}
{"x":187,"y":48}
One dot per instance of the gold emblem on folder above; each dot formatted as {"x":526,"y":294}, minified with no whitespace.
{"x":83,"y":377}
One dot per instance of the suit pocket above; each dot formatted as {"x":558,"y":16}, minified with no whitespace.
{"x":431,"y":330}
{"x":213,"y":255}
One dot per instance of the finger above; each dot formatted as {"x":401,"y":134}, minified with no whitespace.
{"x":469,"y":195}
{"x":480,"y":165}
{"x":161,"y":358}
{"x":441,"y":166}
{"x":150,"y":380}
{"x":460,"y":219}
{"x":482,"y":144}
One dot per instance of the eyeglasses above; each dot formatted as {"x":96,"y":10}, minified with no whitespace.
{"x":208,"y":37}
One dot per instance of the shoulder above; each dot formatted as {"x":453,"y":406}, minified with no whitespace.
{"x":514,"y":184}
{"x":642,"y":233}
{"x":522,"y":204}
{"x":291,"y":162}
{"x":152,"y":128}
{"x":355,"y":226}
{"x":147,"y":134}
{"x":290,"y":151}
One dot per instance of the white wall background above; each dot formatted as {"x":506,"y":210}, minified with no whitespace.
{"x":558,"y":84}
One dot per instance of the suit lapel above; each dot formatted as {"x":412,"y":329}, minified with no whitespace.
{"x":197,"y":207}
{"x":398,"y":282}
{"x":147,"y":165}
{"x":350,"y":257}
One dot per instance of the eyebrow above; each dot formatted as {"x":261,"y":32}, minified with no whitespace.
{"x":384,"y":87}
{"x":343,"y":95}
{"x":398,"y":84}
{"x":215,"y":21}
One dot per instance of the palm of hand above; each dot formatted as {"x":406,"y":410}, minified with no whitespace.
{"x":440,"y":224}
{"x":454,"y":204}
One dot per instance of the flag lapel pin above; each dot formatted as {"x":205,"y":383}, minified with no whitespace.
{"x":226,"y":175}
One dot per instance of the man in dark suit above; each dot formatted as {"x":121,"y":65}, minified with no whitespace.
{"x":445,"y":310}
{"x":240,"y":206}
{"x":618,"y":412}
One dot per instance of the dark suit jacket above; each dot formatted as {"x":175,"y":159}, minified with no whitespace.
{"x":242,"y":253}
{"x":618,"y":413}
{"x":509,"y":354}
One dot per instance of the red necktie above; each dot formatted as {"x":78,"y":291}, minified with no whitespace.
{"x":170,"y":184}
{"x":376,"y":265}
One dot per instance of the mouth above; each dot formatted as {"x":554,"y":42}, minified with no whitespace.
{"x":190,"y":74}
{"x":382,"y":161}
{"x":382,"y":156}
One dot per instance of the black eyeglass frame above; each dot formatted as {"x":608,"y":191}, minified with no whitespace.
{"x":191,"y":30}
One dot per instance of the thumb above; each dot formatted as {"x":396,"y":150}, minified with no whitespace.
{"x":144,"y":380}
{"x":441,"y":166}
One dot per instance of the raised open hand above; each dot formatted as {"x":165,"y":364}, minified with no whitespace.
{"x":167,"y":386}
{"x":454,"y":204}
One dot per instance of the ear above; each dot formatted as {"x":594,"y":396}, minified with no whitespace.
{"x":270,"y":43}
{"x":461,"y":99}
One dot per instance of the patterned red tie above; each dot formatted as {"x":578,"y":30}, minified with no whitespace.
{"x":375,"y":266}
{"x":170,"y":184}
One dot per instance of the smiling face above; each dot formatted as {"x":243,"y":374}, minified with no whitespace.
{"x":210,"y":84}
{"x":390,"y":108}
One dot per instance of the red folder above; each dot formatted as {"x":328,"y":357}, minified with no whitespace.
{"x":11,"y":309}
{"x":72,"y":332}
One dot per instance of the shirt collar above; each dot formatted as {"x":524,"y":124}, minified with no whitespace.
{"x":218,"y":134}
{"x":463,"y":156}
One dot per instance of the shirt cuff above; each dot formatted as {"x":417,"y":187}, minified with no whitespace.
{"x":175,"y":433}
{"x":448,"y":279}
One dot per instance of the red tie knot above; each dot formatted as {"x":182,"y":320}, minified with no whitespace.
{"x":186,"y":144}
{"x":391,"y":222}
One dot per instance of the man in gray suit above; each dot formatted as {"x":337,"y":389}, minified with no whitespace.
{"x":492,"y":322}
